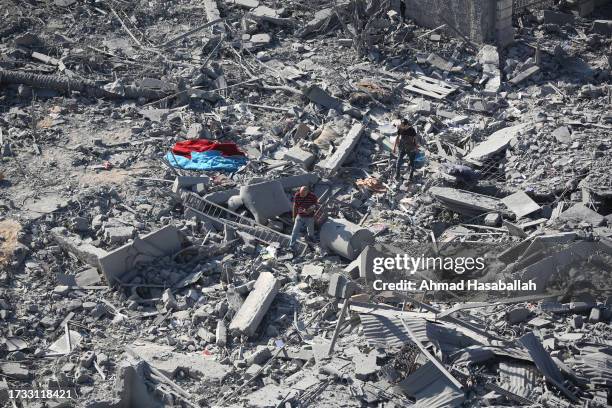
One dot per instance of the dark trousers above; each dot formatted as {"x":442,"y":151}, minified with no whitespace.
{"x":400,"y":160}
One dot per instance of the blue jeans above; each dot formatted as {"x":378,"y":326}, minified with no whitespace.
{"x":400,"y":160}
{"x":301,"y":222}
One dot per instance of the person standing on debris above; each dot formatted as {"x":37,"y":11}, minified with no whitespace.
{"x":406,"y":144}
{"x":305,"y":204}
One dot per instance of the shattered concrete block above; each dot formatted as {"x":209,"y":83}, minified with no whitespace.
{"x":595,"y":315}
{"x":345,"y":238}
{"x":261,"y":39}
{"x":517,"y":315}
{"x":259,"y":356}
{"x":15,"y":371}
{"x":195,"y":131}
{"x":256,"y":305}
{"x":83,"y":251}
{"x":365,"y":366}
{"x":562,"y":135}
{"x":118,"y":234}
{"x":493,"y":219}
{"x":181,"y":182}
{"x":247,"y":4}
{"x":333,"y":162}
{"x":163,"y":242}
{"x":523,"y":75}
{"x":252,"y":372}
{"x":581,"y":213}
{"x":221,"y":334}
{"x":265,"y":200}
{"x":169,"y":362}
{"x":317,"y":95}
{"x":520,"y":204}
{"x":312,"y":271}
{"x":169,"y":301}
{"x":300,"y":156}
{"x":495,"y":143}
{"x":341,"y":287}
{"x":206,"y":335}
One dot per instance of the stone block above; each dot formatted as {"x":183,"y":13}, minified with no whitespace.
{"x":300,"y":156}
{"x":265,"y":200}
{"x":256,"y":305}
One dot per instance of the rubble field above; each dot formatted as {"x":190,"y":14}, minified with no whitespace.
{"x":150,"y":156}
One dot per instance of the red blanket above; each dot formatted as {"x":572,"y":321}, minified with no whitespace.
{"x":185,"y":148}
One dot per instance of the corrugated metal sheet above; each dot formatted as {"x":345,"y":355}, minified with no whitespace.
{"x":517,"y":378}
{"x":479,"y":354}
{"x":431,"y":388}
{"x":596,"y":365}
{"x":382,"y":331}
{"x":545,"y":363}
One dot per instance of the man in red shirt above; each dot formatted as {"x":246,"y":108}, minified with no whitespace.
{"x":304,"y":207}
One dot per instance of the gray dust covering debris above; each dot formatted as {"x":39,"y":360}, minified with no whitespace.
{"x":223,"y":203}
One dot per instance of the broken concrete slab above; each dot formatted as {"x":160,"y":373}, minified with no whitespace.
{"x":523,"y":75}
{"x":341,"y":287}
{"x":65,"y":345}
{"x":466,"y":202}
{"x":520,"y":204}
{"x":256,"y":305}
{"x":212,"y":14}
{"x":169,"y":362}
{"x":317,"y":95}
{"x":581,"y":213}
{"x":265,"y":200}
{"x":118,"y":263}
{"x":15,"y":371}
{"x":495,"y":143}
{"x":332,"y":163}
{"x":562,"y":135}
{"x":247,"y":4}
{"x":345,"y":238}
{"x":73,"y":244}
{"x":302,"y":157}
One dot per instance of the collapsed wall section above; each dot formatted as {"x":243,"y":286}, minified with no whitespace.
{"x":473,"y":18}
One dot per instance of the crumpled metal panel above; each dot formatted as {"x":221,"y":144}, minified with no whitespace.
{"x":545,"y":363}
{"x":517,"y":378}
{"x":382,"y":331}
{"x":431,"y":388}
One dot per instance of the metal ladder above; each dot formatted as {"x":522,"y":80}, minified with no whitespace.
{"x":237,"y":221}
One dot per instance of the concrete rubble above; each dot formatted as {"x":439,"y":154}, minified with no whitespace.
{"x":134,"y":282}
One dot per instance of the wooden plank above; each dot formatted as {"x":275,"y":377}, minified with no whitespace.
{"x":432,"y":86}
{"x":424,"y":92}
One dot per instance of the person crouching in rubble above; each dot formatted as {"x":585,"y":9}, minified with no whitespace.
{"x":464,"y":176}
{"x":406,"y":144}
{"x":305,"y":204}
